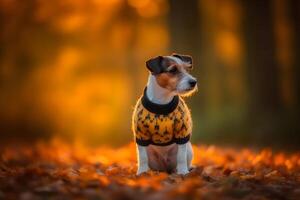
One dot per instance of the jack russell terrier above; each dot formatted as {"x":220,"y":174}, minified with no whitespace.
{"x":162,"y":122}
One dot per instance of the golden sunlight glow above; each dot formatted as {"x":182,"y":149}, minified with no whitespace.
{"x":228,"y":47}
{"x":75,"y":68}
{"x":149,"y":8}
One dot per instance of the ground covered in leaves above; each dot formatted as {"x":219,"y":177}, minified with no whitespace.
{"x":56,"y":170}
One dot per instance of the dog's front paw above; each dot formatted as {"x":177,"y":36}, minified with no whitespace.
{"x":182,"y":170}
{"x":142,"y":170}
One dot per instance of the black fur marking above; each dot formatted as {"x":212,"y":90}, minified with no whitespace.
{"x":184,"y":58}
{"x":155,"y":65}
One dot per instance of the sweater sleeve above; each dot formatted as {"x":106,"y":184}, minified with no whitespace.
{"x":142,"y":138}
{"x":182,"y":137}
{"x":141,"y":134}
{"x":183,"y":125}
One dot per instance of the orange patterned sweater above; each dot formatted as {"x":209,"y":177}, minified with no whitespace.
{"x":161,"y":124}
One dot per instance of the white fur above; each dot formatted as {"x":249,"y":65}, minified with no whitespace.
{"x":182,"y":166}
{"x":177,"y":60}
{"x":156,"y":93}
{"x":183,"y":87}
{"x":164,"y":158}
{"x":143,"y":165}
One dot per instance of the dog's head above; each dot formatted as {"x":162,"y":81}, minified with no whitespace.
{"x":173,"y":73}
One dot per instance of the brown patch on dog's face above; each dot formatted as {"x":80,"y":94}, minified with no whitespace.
{"x":167,"y":80}
{"x":172,"y":75}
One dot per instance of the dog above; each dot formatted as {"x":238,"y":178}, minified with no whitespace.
{"x":161,"y":121}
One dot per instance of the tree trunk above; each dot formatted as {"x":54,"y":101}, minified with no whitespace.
{"x":294,"y":8}
{"x":184,"y":24}
{"x":262,"y":70}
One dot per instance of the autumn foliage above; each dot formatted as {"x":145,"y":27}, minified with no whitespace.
{"x":57,"y":170}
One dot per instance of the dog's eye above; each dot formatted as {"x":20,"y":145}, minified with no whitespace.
{"x":174,"y":70}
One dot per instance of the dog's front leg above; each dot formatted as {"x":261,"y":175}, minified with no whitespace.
{"x":143,"y":165}
{"x":182,"y":167}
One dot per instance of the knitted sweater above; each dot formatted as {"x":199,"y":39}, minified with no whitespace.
{"x":161,"y":124}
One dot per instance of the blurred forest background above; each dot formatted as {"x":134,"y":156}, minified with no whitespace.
{"x":75,"y":68}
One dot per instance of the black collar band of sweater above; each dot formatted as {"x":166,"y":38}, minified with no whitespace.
{"x":161,"y":109}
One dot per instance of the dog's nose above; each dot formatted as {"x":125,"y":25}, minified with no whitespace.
{"x":192,"y":83}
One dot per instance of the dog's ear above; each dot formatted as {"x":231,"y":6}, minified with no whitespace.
{"x":185,"y":58}
{"x":155,"y":65}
